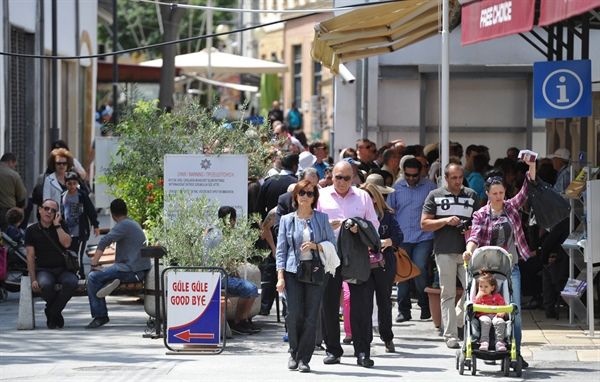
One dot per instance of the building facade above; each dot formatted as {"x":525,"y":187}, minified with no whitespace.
{"x":27,"y":103}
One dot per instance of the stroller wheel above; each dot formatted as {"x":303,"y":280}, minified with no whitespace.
{"x":460,"y":362}
{"x":473,"y":365}
{"x":506,"y":366}
{"x":519,"y":367}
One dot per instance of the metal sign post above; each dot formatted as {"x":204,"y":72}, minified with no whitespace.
{"x":193,"y":300}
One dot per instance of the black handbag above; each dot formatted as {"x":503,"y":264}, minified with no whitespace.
{"x":309,"y":271}
{"x":71,"y":258}
{"x":548,"y":206}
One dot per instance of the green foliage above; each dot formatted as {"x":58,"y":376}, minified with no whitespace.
{"x":193,"y":235}
{"x":147,"y":135}
{"x":138,"y":25}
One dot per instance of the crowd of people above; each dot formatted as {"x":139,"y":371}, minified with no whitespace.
{"x":333,"y":229}
{"x":377,"y":200}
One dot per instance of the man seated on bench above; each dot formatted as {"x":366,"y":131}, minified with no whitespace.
{"x":45,"y":243}
{"x":236,"y":287}
{"x":129,"y":265}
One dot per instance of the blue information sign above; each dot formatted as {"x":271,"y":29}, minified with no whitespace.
{"x":562,"y":89}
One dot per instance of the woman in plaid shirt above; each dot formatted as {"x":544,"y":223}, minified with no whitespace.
{"x":499,"y":223}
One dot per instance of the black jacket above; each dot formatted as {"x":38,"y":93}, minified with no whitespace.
{"x":353,"y":248}
{"x":270,"y":191}
{"x":88,"y":216}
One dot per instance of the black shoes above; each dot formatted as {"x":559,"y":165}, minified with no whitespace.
{"x":292,"y":363}
{"x":239,"y":328}
{"x":389,"y":347}
{"x":347,"y":340}
{"x":402,"y":317}
{"x":250,"y":325}
{"x":97,"y":322}
{"x":303,"y":367}
{"x":60,"y":321}
{"x":50,"y":320}
{"x":364,"y":361}
{"x":330,"y":359}
{"x":425,"y":314}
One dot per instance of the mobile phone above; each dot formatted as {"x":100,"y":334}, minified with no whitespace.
{"x":527,"y":155}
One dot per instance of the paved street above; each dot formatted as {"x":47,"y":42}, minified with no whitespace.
{"x":118,"y":352}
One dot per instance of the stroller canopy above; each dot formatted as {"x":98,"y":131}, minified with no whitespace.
{"x":492,"y":259}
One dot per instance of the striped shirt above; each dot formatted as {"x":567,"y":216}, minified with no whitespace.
{"x":408,"y":203}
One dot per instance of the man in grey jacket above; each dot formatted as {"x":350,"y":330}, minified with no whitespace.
{"x":129,"y":266}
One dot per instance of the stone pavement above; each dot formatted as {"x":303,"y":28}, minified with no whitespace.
{"x":117,"y":352}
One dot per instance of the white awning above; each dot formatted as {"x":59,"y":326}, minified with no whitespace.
{"x":221,"y":63}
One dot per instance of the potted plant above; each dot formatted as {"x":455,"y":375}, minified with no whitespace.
{"x":433,"y":293}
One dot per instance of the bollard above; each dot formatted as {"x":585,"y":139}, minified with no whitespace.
{"x":26,"y":317}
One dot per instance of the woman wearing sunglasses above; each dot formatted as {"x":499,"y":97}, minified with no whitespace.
{"x":302,"y":235}
{"x":59,"y":162}
{"x":499,"y":223}
{"x":383,"y":264}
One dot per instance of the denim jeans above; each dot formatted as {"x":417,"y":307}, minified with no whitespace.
{"x":56,"y":300}
{"x":304,"y":303}
{"x":516,"y":299}
{"x":419,"y":253}
{"x":98,"y":279}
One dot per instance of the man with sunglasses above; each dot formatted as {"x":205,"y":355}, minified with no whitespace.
{"x":407,"y":200}
{"x":45,"y":242}
{"x":342,"y":201}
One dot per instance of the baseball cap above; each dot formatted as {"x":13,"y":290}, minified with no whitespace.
{"x":306,"y":160}
{"x":561,"y":153}
{"x":351,"y":161}
{"x":378,"y":181}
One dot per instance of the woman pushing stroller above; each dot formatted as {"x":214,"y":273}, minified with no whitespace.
{"x":499,"y":223}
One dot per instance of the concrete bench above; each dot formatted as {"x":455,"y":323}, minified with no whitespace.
{"x":26,"y":317}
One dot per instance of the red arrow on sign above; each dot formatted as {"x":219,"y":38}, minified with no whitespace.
{"x":187,"y":336}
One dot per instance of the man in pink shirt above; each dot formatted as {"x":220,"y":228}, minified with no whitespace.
{"x":342,"y":201}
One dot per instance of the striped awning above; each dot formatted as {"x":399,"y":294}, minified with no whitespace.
{"x":378,"y":29}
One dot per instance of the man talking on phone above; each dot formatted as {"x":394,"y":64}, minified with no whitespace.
{"x":342,"y":201}
{"x":45,"y":243}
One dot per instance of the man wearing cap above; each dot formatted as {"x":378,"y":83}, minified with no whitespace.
{"x":560,"y":162}
{"x":342,"y":201}
{"x":407,"y":202}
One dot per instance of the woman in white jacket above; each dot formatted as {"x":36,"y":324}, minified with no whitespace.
{"x":59,"y":162}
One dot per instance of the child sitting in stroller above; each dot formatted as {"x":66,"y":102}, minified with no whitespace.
{"x":488,"y":295}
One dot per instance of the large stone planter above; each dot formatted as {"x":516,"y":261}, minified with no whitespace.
{"x":435,"y":306}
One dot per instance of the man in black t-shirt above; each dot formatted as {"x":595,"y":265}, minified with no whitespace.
{"x":45,"y":242}
{"x":447,"y":212}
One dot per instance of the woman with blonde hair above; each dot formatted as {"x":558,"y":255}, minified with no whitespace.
{"x":383,"y":264}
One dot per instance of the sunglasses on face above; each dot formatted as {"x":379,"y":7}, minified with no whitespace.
{"x":49,"y":209}
{"x":61,"y":163}
{"x":408,"y":175}
{"x":310,"y":194}
{"x":344,"y":178}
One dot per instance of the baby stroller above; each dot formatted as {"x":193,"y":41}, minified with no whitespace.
{"x":497,"y":262}
{"x":16,"y":263}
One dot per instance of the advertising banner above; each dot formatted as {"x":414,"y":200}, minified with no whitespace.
{"x":193,"y":302}
{"x":223,"y":178}
{"x":488,"y":19}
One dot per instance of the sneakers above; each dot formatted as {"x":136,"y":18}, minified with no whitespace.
{"x":108,"y":288}
{"x":484,"y":346}
{"x":452,"y":343}
{"x":402,"y":317}
{"x":97,"y":322}
{"x":239,"y":328}
{"x":500,"y":346}
{"x":292,"y":363}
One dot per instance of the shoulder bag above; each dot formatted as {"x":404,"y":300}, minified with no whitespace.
{"x":405,"y":268}
{"x":71,"y":258}
{"x":308,"y":271}
{"x":548,"y":206}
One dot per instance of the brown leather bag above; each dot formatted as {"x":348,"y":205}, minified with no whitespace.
{"x":405,"y":268}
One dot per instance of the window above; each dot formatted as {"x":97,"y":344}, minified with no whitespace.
{"x":317,"y":77}
{"x":297,"y":73}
